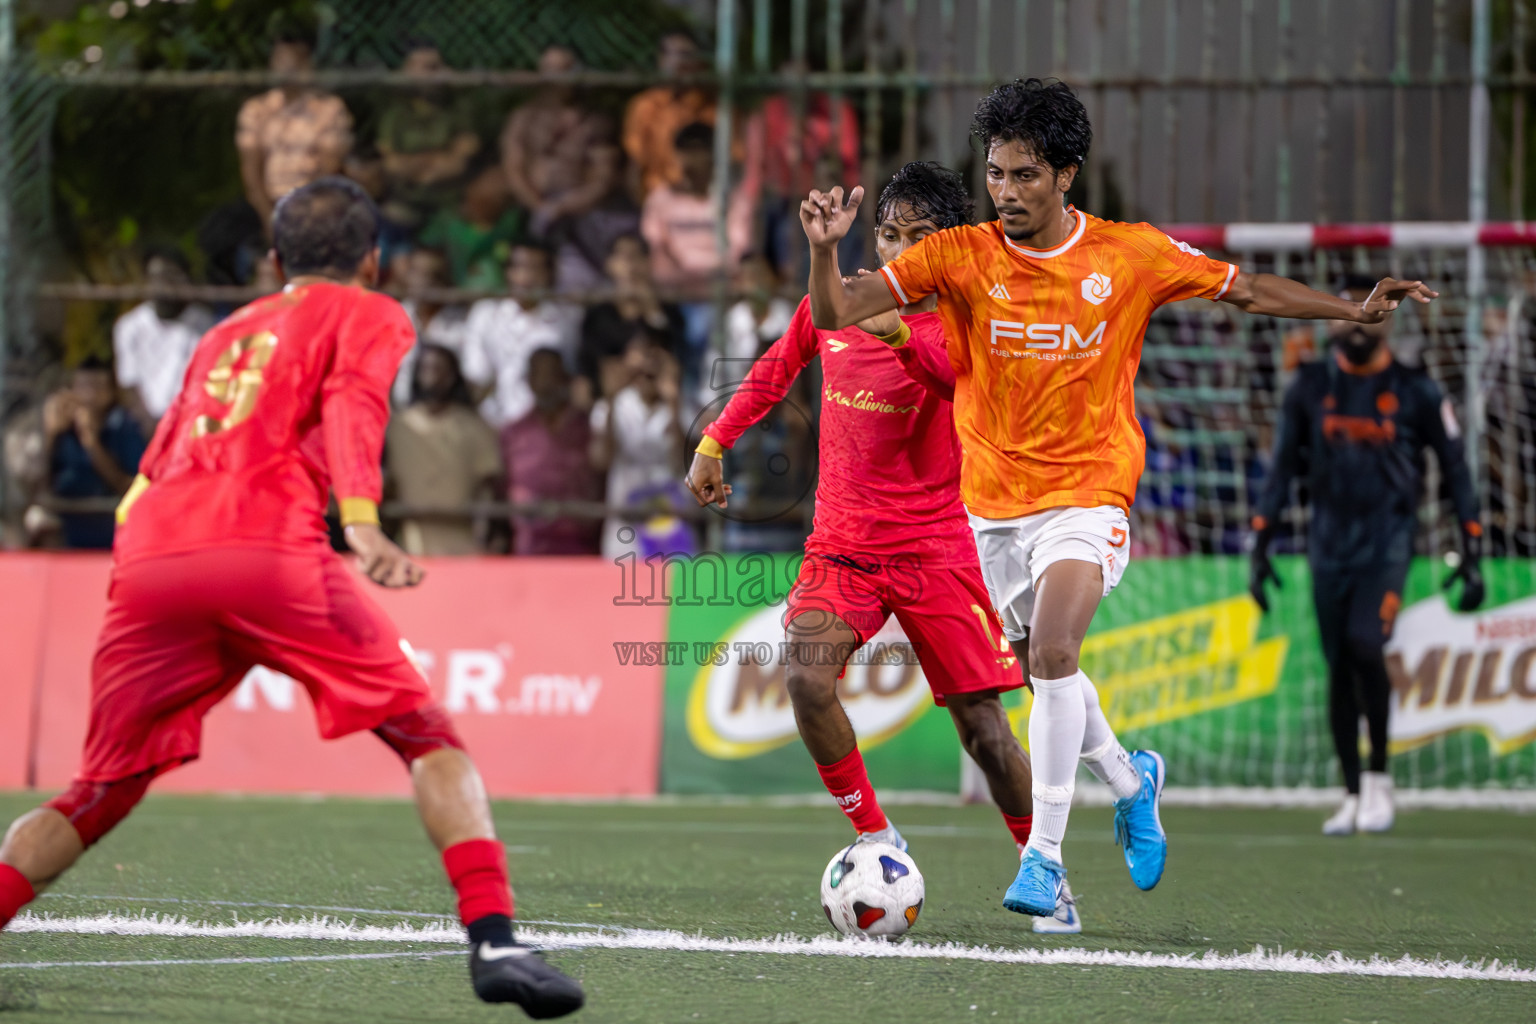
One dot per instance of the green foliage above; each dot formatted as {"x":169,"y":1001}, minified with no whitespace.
{"x":133,"y":163}
{"x":231,"y":34}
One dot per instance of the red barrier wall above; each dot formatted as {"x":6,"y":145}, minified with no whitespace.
{"x":519,"y":650}
{"x":23,"y":592}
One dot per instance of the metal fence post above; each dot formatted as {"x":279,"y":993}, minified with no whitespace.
{"x":1477,"y":211}
{"x":7,"y":181}
{"x":725,"y":71}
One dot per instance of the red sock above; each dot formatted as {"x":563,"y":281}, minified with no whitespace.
{"x":849,"y":783}
{"x":1019,"y":827}
{"x":478,"y":870}
{"x":15,"y":893}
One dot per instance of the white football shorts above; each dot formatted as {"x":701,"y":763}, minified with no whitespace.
{"x":1015,"y":553}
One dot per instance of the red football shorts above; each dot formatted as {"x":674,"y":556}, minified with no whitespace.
{"x":183,"y":630}
{"x":945,"y":613}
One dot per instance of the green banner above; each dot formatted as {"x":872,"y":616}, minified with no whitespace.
{"x":1185,"y":664}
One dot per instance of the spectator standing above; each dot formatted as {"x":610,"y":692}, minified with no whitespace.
{"x":546,"y":457}
{"x":656,"y":115}
{"x":291,"y":135}
{"x":560,"y":159}
{"x":608,"y":326}
{"x":679,"y":223}
{"x":637,"y":440}
{"x":94,"y":448}
{"x":422,"y":270}
{"x":153,"y":342}
{"x":441,"y":455}
{"x":477,"y":234}
{"x":426,"y":142}
{"x":502,"y":333}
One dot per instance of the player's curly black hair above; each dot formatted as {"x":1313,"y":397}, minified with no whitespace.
{"x":1045,"y":116}
{"x":326,"y":227}
{"x":933,"y":191}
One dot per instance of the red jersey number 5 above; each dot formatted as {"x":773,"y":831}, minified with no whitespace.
{"x":235,"y":382}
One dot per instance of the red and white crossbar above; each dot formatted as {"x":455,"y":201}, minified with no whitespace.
{"x":1307,"y":237}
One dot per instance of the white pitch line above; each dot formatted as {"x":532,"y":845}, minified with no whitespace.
{"x":225,"y":960}
{"x":274,"y":928}
{"x":261,"y":905}
{"x":1260,"y":960}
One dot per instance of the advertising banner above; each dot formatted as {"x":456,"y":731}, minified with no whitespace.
{"x":1184,"y":662}
{"x":520,"y":651}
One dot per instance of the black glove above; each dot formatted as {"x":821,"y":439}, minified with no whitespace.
{"x":1261,"y":572}
{"x":1472,"y":589}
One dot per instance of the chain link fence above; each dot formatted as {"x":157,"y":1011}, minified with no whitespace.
{"x":117,"y":123}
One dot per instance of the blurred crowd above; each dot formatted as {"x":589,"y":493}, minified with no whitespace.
{"x":548,"y":416}
{"x":595,"y":240}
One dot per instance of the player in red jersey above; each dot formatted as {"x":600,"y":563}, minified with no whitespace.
{"x":890,"y":534}
{"x":1045,"y":309}
{"x":221,"y":562}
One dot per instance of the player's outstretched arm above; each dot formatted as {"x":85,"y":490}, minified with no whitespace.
{"x":835,"y":302}
{"x":766,"y":384}
{"x":1272,"y":295}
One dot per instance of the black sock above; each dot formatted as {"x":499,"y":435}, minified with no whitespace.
{"x":493,"y":928}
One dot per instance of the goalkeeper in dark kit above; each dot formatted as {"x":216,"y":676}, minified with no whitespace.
{"x":1356,"y":423}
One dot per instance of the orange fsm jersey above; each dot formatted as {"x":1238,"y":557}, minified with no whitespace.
{"x":1045,"y":344}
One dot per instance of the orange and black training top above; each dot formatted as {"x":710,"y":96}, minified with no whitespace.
{"x":1359,"y":438}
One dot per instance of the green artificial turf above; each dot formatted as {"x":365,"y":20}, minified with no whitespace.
{"x":1448,"y":884}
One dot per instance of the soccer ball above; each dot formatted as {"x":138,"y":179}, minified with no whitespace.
{"x":872,"y":889}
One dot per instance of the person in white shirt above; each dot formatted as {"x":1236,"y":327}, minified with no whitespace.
{"x":153,"y":342}
{"x":637,"y":440}
{"x":502,"y":333}
{"x":444,"y":326}
{"x":762,"y":317}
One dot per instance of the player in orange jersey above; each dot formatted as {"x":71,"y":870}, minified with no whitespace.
{"x":1044,"y":310}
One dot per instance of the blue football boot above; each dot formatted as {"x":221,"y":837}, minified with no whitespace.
{"x":1137,"y":827}
{"x":1037,"y":889}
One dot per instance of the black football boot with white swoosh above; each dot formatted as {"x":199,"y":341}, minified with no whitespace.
{"x":515,"y":973}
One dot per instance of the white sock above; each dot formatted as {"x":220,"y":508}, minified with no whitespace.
{"x":1102,"y":752}
{"x":1056,"y":722}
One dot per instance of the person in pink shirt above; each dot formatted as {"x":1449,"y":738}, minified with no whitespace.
{"x":679,"y":220}
{"x":546,"y":457}
{"x":679,"y":223}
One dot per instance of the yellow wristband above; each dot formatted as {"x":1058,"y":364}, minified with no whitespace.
{"x":897,"y":338}
{"x":358,"y":511}
{"x":135,"y":490}
{"x":709,"y":446}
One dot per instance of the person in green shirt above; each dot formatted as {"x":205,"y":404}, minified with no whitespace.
{"x":476,"y":234}
{"x":427,"y":141}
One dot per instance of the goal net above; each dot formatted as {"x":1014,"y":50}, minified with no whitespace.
{"x":1183,"y":658}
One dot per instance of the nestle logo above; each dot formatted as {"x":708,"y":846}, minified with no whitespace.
{"x":1521,"y":628}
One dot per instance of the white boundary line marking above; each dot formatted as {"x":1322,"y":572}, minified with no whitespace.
{"x":262,"y":905}
{"x":321,"y":928}
{"x":1260,"y":960}
{"x":225,"y":960}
